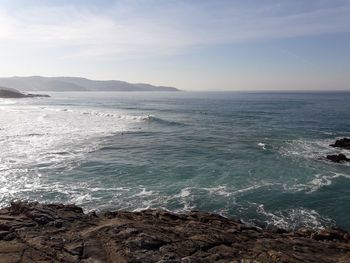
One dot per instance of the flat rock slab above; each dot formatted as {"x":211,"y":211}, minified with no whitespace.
{"x":33,"y":232}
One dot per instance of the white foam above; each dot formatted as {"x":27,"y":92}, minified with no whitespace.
{"x":144,"y":192}
{"x":262,"y":145}
{"x":220,"y":190}
{"x":292,"y":219}
{"x":33,"y":138}
{"x":310,"y":149}
{"x":319,"y":181}
{"x":184,"y":193}
{"x":251,"y":188}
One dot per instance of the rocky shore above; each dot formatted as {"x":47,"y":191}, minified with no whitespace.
{"x":6,"y":93}
{"x":33,"y":232}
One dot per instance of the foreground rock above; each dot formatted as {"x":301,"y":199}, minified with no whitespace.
{"x":32,"y":232}
{"x":338,"y":158}
{"x":14,"y":94}
{"x":342,"y":143}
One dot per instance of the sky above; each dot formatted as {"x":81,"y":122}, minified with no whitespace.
{"x":190,"y":44}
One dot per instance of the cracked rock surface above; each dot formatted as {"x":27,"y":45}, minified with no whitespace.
{"x":33,"y":232}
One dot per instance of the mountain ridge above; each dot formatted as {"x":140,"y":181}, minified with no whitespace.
{"x":67,"y":84}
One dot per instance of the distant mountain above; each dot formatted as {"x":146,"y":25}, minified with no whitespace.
{"x":13,"y":93}
{"x":37,"y":83}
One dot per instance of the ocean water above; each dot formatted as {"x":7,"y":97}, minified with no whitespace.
{"x":254,"y":156}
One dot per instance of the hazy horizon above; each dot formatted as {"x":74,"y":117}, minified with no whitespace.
{"x":193,"y":46}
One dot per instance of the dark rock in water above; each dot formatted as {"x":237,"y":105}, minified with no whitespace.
{"x":342,"y":143}
{"x":14,"y":94}
{"x":29,"y":95}
{"x":338,"y":158}
{"x":33,"y":232}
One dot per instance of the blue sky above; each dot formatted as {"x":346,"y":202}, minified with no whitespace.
{"x":193,"y":45}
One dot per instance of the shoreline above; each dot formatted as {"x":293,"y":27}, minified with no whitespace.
{"x":34,"y":232}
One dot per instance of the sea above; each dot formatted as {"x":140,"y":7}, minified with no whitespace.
{"x":254,"y":156}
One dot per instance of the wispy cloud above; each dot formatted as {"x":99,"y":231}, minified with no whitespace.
{"x":147,"y":28}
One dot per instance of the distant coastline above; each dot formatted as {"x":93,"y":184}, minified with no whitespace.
{"x":74,"y":84}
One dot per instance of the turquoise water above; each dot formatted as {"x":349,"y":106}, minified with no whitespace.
{"x":256,"y":156}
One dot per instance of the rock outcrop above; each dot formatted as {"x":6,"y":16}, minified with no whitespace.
{"x":33,"y":232}
{"x":338,"y":158}
{"x":14,"y":94}
{"x":342,"y":143}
